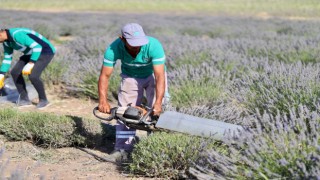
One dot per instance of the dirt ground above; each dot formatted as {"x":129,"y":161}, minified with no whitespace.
{"x":64,"y":163}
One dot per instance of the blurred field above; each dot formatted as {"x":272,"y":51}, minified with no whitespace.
{"x":238,"y":62}
{"x":286,"y":8}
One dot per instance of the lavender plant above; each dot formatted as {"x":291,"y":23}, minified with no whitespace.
{"x":183,"y":82}
{"x":167,"y":155}
{"x":278,"y":87}
{"x":49,"y":130}
{"x":281,"y":147}
{"x":46,"y":30}
{"x":56,"y":68}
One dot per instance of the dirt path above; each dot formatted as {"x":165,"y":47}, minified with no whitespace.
{"x":64,"y":163}
{"x":33,"y":162}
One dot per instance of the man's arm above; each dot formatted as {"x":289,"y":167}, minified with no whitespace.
{"x":7,"y":60}
{"x":159,"y":74}
{"x":103,"y":88}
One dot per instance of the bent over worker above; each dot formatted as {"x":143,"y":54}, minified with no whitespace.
{"x":142,"y":70}
{"x":37,"y":54}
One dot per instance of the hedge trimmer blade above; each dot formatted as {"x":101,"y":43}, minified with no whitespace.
{"x":179,"y":122}
{"x":170,"y":121}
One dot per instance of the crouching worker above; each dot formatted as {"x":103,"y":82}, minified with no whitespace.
{"x":142,"y":70}
{"x":37,"y":54}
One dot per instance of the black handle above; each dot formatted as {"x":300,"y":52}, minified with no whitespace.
{"x":112,"y":114}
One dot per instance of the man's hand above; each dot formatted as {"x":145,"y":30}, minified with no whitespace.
{"x":28,"y":68}
{"x":104,"y":107}
{"x":144,"y":112}
{"x":157,"y":109}
{"x":1,"y":80}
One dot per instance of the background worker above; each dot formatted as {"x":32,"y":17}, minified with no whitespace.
{"x":142,"y":70}
{"x":37,"y":54}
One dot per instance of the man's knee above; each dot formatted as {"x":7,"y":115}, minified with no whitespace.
{"x":34,"y":78}
{"x":15,"y":74}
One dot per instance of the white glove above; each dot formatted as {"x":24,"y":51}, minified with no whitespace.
{"x":1,"y":81}
{"x":27,"y":69}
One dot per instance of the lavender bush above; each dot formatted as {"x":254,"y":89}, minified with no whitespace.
{"x":280,"y":147}
{"x":186,"y":78}
{"x":168,"y":155}
{"x":278,"y":87}
{"x":49,"y":130}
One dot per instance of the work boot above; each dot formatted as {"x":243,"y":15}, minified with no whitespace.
{"x":118,"y":156}
{"x":42,"y":104}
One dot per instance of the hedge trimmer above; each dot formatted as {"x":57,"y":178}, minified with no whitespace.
{"x":135,"y":117}
{"x":142,"y":118}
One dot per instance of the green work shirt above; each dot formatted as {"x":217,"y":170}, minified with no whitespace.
{"x":139,"y":67}
{"x":26,"y":41}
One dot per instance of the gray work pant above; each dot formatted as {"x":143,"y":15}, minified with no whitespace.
{"x":132,"y":91}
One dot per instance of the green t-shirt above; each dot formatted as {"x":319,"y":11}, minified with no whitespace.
{"x":139,"y":67}
{"x":26,"y":41}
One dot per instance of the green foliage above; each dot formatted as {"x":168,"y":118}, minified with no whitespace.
{"x":282,"y":152}
{"x":194,"y":59}
{"x":49,"y":130}
{"x":204,"y":91}
{"x":279,"y":97}
{"x":89,"y":86}
{"x":284,"y":30}
{"x":281,"y":160}
{"x":235,"y":69}
{"x":215,"y":33}
{"x":305,"y":56}
{"x":290,"y":56}
{"x":281,"y":146}
{"x":53,"y":73}
{"x":308,"y":56}
{"x":114,"y":84}
{"x":68,"y":30}
{"x":162,"y":31}
{"x":165,"y":155}
{"x":211,"y":33}
{"x":191,"y":31}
